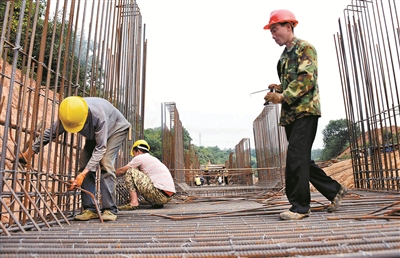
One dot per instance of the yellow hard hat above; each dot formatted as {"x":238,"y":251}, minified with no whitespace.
{"x":141,"y":144}
{"x":73,"y":112}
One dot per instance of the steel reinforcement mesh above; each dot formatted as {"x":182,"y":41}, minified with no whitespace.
{"x":271,"y":146}
{"x":367,"y":47}
{"x":48,"y":51}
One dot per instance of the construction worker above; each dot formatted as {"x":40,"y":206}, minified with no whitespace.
{"x":197,"y":180}
{"x":207,"y":175}
{"x":147,"y":175}
{"x":225,"y":174}
{"x":105,"y":129}
{"x":299,"y":96}
{"x":219,"y":179}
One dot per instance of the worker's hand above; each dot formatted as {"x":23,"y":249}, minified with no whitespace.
{"x":23,"y":157}
{"x":273,"y":97}
{"x":275,"y":87}
{"x":77,"y":182}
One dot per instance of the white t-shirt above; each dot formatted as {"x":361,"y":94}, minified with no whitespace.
{"x":159,"y":173}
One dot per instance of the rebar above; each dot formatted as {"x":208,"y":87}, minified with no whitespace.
{"x":60,"y":49}
{"x":367,"y":47}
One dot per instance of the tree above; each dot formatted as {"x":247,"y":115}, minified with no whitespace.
{"x":213,"y":154}
{"x":336,"y":138}
{"x":316,"y":154}
{"x":153,"y":138}
{"x":186,"y":139}
{"x":51,"y":47}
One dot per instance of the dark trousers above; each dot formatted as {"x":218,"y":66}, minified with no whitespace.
{"x":300,"y":169}
{"x":107,"y":176}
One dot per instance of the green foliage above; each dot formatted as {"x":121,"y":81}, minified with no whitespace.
{"x":153,"y":138}
{"x":316,"y":154}
{"x":212,"y":154}
{"x":79,"y":71}
{"x":186,"y":139}
{"x":253,"y":158}
{"x":388,"y":137}
{"x":336,"y":139}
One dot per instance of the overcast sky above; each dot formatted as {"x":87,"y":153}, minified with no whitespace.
{"x":207,"y":56}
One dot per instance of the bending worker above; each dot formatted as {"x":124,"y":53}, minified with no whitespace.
{"x":147,"y":175}
{"x":105,"y":129}
{"x":299,"y":96}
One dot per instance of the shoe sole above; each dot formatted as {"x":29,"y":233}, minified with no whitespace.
{"x":291,"y":218}
{"x":75,"y":218}
{"x":109,"y":219}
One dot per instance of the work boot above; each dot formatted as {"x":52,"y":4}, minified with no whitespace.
{"x":335,"y":203}
{"x":290,"y":215}
{"x":108,"y":216}
{"x":87,"y":215}
{"x":128,"y":207}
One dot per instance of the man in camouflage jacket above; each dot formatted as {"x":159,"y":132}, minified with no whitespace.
{"x":299,"y":96}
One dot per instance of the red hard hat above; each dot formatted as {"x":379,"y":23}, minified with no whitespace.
{"x":281,"y":16}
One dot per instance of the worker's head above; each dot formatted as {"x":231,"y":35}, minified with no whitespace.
{"x":73,"y":113}
{"x":281,"y":25}
{"x":281,"y":16}
{"x":140,"y":145}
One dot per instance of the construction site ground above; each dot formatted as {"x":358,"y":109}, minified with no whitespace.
{"x":241,"y":221}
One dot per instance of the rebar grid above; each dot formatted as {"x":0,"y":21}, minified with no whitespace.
{"x":50,"y":50}
{"x":270,"y":146}
{"x":172,"y":142}
{"x":367,"y":47}
{"x":243,"y":163}
{"x":229,"y":228}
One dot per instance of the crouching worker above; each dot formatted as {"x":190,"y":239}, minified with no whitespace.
{"x":148,"y":176}
{"x":197,"y":180}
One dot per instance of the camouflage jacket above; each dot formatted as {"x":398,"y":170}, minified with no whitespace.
{"x":298,"y":74}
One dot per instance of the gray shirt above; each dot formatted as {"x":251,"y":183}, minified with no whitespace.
{"x":103,"y":121}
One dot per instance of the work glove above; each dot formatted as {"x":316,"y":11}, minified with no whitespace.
{"x":23,"y":157}
{"x":77,"y":182}
{"x":275,"y":87}
{"x":273,"y":97}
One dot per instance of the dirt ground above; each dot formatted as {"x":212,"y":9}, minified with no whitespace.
{"x":340,"y":170}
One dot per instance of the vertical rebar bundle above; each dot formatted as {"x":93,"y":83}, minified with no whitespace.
{"x":271,"y":146}
{"x":172,"y":142}
{"x":243,"y":161}
{"x":367,"y":47}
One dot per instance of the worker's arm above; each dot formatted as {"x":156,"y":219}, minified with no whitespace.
{"x":122,"y":170}
{"x":79,"y":179}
